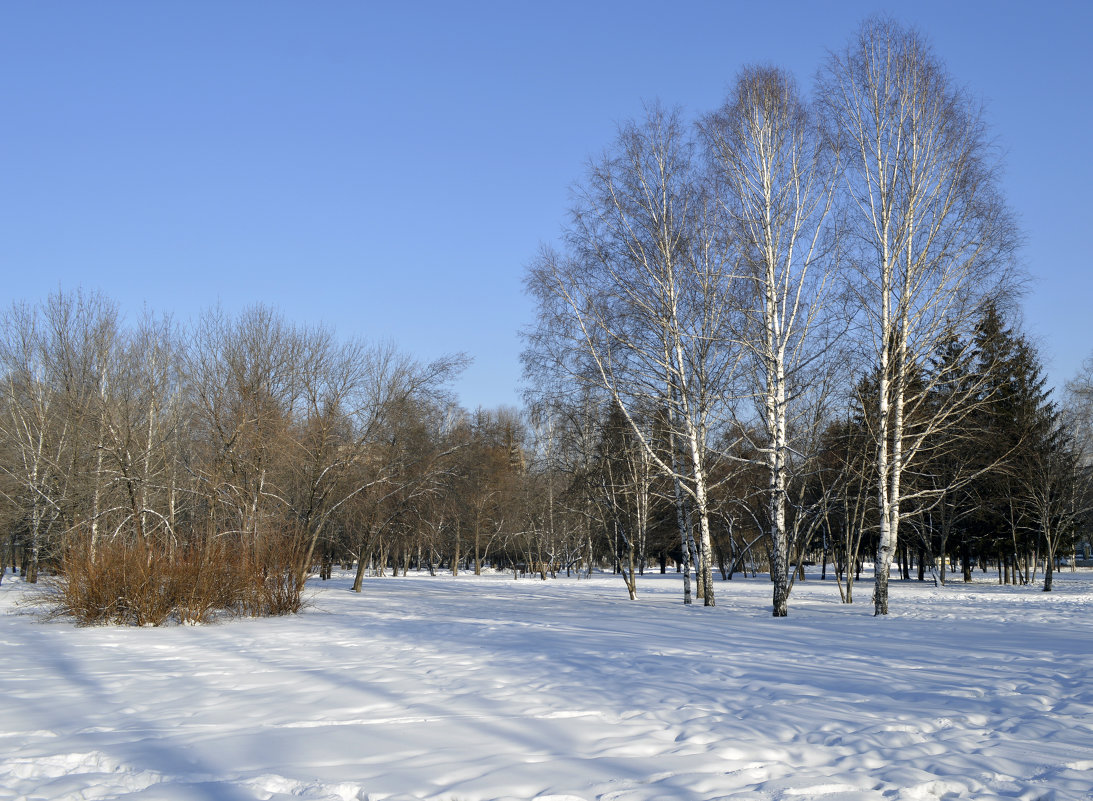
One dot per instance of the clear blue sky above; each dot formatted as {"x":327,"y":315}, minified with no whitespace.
{"x":390,"y":169}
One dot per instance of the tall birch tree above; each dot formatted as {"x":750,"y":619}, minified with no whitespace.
{"x":638,"y":306}
{"x":775,"y":183}
{"x":930,"y":235}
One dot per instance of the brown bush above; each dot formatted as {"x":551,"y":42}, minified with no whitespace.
{"x":148,"y":583}
{"x":272,"y":578}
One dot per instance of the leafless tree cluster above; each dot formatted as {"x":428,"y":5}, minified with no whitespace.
{"x":743,"y":281}
{"x":183,"y":458}
{"x":245,"y":429}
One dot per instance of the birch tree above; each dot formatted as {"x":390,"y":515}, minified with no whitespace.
{"x":638,"y":305}
{"x":775,"y":188}
{"x":929,"y":233}
{"x":139,"y":421}
{"x":56,"y":359}
{"x":1079,"y":410}
{"x":31,"y":443}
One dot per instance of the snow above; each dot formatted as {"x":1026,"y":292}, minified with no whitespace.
{"x":489,"y":688}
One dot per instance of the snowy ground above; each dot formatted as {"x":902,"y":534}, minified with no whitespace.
{"x":491,"y":688}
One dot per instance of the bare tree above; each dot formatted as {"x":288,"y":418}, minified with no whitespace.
{"x":31,"y":443}
{"x":1079,"y":409}
{"x":1059,"y":491}
{"x":929,"y":234}
{"x":624,"y":475}
{"x":56,"y":360}
{"x":775,"y":181}
{"x":242,"y":374}
{"x":572,"y":427}
{"x":845,"y":478}
{"x":139,"y":418}
{"x":638,"y":308}
{"x":351,"y":397}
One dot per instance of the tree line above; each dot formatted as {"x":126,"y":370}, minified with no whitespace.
{"x":245,"y":449}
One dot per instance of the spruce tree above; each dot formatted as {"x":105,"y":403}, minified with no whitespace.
{"x":1018,"y":430}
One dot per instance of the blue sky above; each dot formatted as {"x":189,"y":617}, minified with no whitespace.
{"x":390,"y":169}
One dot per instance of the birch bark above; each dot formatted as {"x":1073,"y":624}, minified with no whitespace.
{"x":933,"y":237}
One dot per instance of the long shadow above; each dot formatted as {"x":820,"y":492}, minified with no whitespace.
{"x":547,"y":739}
{"x":534,"y":646}
{"x":45,"y":651}
{"x":848,"y":676}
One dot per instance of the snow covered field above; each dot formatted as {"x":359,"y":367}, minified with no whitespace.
{"x":489,"y":688}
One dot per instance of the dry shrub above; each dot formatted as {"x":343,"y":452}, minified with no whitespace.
{"x":273,"y":579}
{"x":147,"y":583}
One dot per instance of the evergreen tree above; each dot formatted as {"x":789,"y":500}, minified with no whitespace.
{"x":950,"y":462}
{"x":1018,"y":429}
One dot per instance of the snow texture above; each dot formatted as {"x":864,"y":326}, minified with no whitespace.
{"x":489,"y":688}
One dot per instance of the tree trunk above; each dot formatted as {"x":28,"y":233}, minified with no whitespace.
{"x":477,"y":546}
{"x":358,"y":579}
{"x":455,"y":555}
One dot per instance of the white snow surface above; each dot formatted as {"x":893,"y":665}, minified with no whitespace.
{"x":477,"y":688}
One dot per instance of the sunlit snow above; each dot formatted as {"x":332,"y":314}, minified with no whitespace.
{"x":490,"y":688}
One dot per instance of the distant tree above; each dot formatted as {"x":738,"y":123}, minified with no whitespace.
{"x":351,"y":397}
{"x":490,"y":468}
{"x":1079,"y":409}
{"x":1014,"y":420}
{"x":845,"y":475}
{"x":955,"y":460}
{"x":1059,"y":491}
{"x":624,"y":475}
{"x":577,"y":431}
{"x":556,"y":466}
{"x":243,"y":380}
{"x":140,"y":428}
